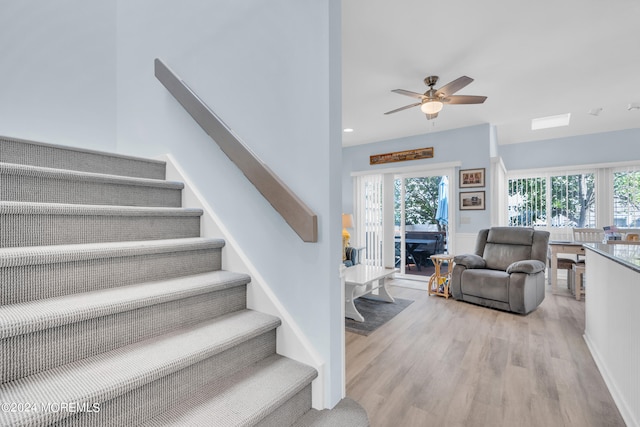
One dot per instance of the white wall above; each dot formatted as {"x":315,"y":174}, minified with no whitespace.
{"x":608,"y":147}
{"x":271,"y":71}
{"x":57,"y":72}
{"x":81,"y":73}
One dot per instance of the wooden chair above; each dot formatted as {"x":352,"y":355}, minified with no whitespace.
{"x":563,"y":264}
{"x":630,"y":234}
{"x":578,"y":279}
{"x":586,"y":235}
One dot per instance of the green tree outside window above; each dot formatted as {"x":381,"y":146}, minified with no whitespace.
{"x":421,"y":201}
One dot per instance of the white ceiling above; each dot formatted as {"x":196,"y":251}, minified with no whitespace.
{"x":530,"y":58}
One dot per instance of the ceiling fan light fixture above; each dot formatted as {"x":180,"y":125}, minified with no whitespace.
{"x":431,"y":102}
{"x":431,"y":107}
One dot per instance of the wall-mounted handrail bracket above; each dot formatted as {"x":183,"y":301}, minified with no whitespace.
{"x":294,"y":211}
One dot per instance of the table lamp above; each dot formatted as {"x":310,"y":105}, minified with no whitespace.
{"x":347,"y":222}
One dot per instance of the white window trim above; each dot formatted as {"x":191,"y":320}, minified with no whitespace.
{"x":399,"y":170}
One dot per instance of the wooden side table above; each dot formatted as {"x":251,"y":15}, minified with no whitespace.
{"x":437,"y":279}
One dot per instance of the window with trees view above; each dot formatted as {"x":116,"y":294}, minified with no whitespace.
{"x":626,"y":198}
{"x":421,"y":200}
{"x":558,"y":200}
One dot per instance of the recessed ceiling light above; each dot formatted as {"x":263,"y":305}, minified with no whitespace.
{"x":347,"y":130}
{"x":550,"y":121}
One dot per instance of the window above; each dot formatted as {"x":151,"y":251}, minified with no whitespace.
{"x":527,"y":202}
{"x":626,"y":198}
{"x":552,"y":200}
{"x":573,"y":200}
{"x":421,"y":200}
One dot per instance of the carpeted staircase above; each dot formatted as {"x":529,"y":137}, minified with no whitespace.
{"x":114,"y":311}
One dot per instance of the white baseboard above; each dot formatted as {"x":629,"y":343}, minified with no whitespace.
{"x":290,"y":341}
{"x":617,"y":396}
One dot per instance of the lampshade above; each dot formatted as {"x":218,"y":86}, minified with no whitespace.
{"x":431,"y":107}
{"x":347,"y":221}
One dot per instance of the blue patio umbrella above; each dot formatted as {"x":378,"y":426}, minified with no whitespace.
{"x":442,"y":213}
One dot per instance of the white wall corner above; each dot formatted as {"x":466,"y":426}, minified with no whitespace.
{"x":498,"y":191}
{"x":291,"y":341}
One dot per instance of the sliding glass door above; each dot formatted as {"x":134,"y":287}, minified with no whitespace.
{"x":421,"y":219}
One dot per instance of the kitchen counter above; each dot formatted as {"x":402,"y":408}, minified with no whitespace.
{"x":627,"y":255}
{"x":612,"y":321}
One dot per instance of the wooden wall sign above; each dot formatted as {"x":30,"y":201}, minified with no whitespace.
{"x":401,"y":156}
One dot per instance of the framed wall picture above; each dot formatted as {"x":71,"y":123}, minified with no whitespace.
{"x":472,"y":200}
{"x":471,"y":178}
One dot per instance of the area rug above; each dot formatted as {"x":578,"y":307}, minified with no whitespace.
{"x":376,"y":314}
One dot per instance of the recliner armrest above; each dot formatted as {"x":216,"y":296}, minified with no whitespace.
{"x":529,"y":266}
{"x":470,"y":261}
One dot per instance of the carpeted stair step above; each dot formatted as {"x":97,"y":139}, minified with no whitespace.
{"x":46,"y":185}
{"x":39,"y":335}
{"x":14,"y":150}
{"x":273,"y":392}
{"x":38,"y":272}
{"x":38,"y":224}
{"x":347,"y":413}
{"x":134,"y":382}
{"x":114,"y":312}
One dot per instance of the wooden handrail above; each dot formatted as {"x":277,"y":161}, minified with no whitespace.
{"x":294,"y":211}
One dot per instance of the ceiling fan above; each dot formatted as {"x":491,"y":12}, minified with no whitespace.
{"x":432,"y":100}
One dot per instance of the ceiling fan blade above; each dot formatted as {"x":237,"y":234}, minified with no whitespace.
{"x":454,"y":86}
{"x":403,"y":108}
{"x":464,"y":99}
{"x":409,"y":93}
{"x":431,"y":116}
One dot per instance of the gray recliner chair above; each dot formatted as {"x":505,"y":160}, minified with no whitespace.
{"x":505,"y":272}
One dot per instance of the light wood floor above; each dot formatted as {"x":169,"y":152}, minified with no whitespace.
{"x":449,"y":363}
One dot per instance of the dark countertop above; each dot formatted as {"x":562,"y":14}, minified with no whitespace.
{"x":627,"y":255}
